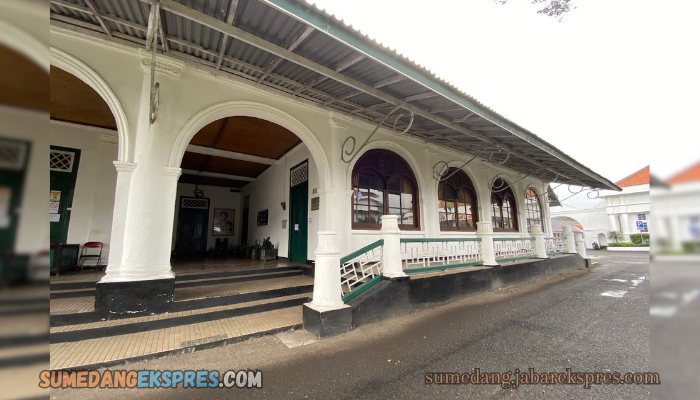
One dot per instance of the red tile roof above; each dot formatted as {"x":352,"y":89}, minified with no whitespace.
{"x":690,"y":174}
{"x":638,"y":178}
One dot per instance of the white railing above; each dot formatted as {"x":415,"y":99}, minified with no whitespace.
{"x":426,"y":253}
{"x":514,"y":248}
{"x":555,"y":245}
{"x":361,"y":266}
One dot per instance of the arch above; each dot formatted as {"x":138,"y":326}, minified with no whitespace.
{"x":456,"y":190}
{"x":602,"y":239}
{"x":256,"y":110}
{"x":391,"y":146}
{"x":532,"y":205}
{"x":80,"y":70}
{"x":390,"y":174}
{"x":503,"y":200}
{"x":25,"y":44}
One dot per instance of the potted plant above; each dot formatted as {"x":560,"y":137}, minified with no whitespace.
{"x":268,"y":252}
{"x":255,"y":250}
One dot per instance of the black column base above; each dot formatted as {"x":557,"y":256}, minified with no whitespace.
{"x":135,"y":298}
{"x":327,"y":323}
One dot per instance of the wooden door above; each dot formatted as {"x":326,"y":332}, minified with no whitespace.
{"x":192,"y":227}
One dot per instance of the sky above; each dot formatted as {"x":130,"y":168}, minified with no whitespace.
{"x":615,"y":84}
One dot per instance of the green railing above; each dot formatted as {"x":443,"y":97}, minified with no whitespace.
{"x":435,"y":240}
{"x":362,"y":251}
{"x":362,"y":288}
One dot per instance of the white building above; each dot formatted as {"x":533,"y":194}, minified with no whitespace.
{"x":627,"y":211}
{"x":676,"y":216}
{"x":294,"y":129}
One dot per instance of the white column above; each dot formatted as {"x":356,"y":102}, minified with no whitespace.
{"x":150,"y":208}
{"x":337,"y":191}
{"x":569,"y":237}
{"x":391,"y":251}
{"x":540,"y":248}
{"x":613,"y":222}
{"x":581,"y":245}
{"x":488,"y":254}
{"x":121,"y":201}
{"x":327,"y":291}
{"x":625,"y":226}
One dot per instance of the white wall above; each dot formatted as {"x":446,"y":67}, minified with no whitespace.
{"x":33,"y":228}
{"x":93,"y":200}
{"x":594,"y":220}
{"x":269,"y":190}
{"x":219,"y":197}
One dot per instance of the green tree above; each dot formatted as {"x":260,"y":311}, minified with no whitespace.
{"x":616,"y":236}
{"x":552,"y":8}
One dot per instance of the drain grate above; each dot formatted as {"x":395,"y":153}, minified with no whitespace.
{"x":209,"y":339}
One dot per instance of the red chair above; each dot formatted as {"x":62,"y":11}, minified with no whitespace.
{"x":86,"y":254}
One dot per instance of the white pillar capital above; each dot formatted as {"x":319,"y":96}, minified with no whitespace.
{"x":338,"y":121}
{"x":123,"y":166}
{"x":484,"y":228}
{"x":172,"y":172}
{"x":390,"y":225}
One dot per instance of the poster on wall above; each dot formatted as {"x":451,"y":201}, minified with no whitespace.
{"x":262,"y":217}
{"x":223,"y":222}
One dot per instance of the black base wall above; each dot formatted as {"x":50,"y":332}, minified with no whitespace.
{"x":327,"y":323}
{"x":390,"y":298}
{"x":135,"y":298}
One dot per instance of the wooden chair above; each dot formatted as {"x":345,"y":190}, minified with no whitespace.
{"x":85,"y":253}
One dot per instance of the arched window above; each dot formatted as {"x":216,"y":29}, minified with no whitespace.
{"x":504,"y":214}
{"x":533,"y":209}
{"x":383,"y":184}
{"x":457,"y":205}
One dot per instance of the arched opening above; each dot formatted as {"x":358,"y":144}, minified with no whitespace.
{"x":533,"y":209}
{"x":457,"y":202}
{"x":504,"y":212}
{"x":558,"y":224}
{"x":383,"y":184}
{"x":84,"y":144}
{"x":602,"y":239}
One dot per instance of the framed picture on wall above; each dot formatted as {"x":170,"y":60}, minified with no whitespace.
{"x":224,"y":219}
{"x":262,"y":217}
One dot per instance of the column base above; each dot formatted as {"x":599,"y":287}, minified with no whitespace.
{"x":136,"y":297}
{"x":323,"y":323}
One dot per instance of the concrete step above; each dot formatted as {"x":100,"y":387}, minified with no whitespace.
{"x":125,"y":326}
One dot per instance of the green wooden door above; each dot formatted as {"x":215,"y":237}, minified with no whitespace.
{"x":64,"y":171}
{"x":13,"y":161}
{"x":298,"y":212}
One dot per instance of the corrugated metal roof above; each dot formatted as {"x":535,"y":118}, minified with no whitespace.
{"x":338,"y":47}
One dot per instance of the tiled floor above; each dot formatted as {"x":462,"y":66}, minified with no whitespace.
{"x":95,"y":351}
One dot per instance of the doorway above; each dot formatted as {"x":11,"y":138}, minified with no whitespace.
{"x":63,"y":166}
{"x":192,"y":225}
{"x":298,"y":212}
{"x":13,"y":163}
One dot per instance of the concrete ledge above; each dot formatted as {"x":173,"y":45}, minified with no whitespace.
{"x":392,"y":298}
{"x":642,"y":249}
{"x":135,"y":298}
{"x":324,"y":323}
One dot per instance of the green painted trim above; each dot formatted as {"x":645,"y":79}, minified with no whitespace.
{"x":442,"y":267}
{"x":556,"y":254}
{"x":515,"y":238}
{"x":363,"y":250}
{"x":434,"y":240}
{"x":362,"y":288}
{"x":515,"y":258}
{"x":308,"y":14}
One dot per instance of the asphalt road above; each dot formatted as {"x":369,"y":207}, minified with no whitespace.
{"x":549,"y":325}
{"x":675,"y":323}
